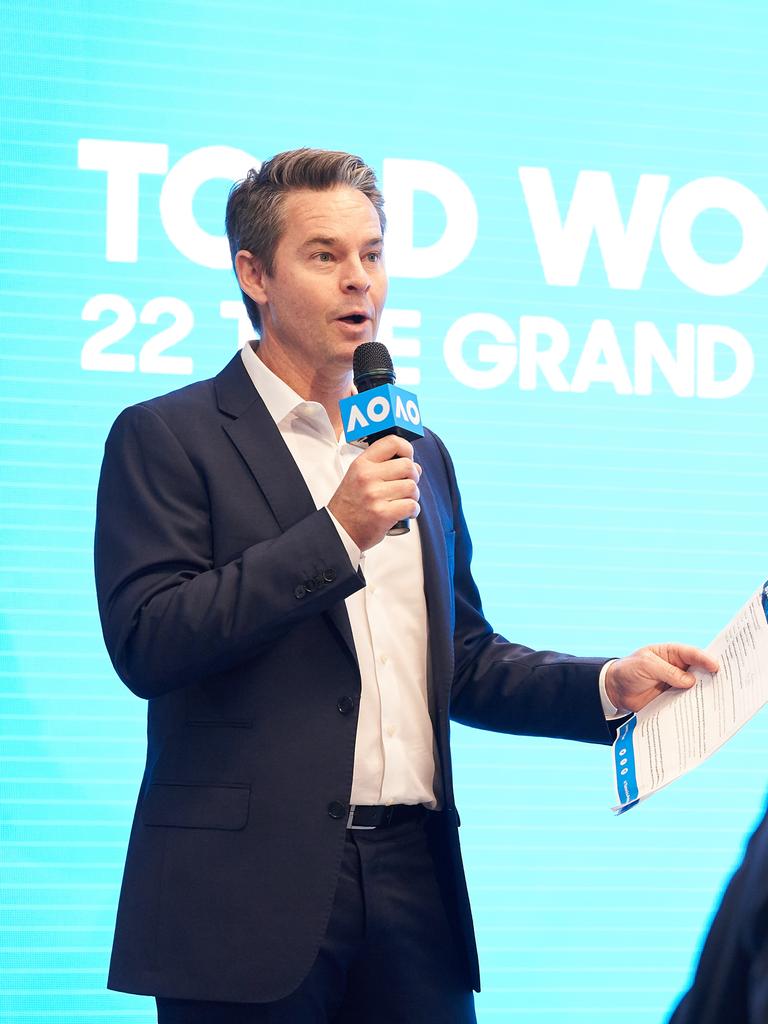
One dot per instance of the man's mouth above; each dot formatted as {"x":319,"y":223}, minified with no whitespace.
{"x":353,"y":318}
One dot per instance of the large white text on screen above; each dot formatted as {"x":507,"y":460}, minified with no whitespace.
{"x":690,"y":364}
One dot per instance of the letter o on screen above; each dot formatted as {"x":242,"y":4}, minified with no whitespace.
{"x":731,"y":276}
{"x":178,"y":196}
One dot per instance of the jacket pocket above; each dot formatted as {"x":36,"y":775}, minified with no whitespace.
{"x":184,"y":805}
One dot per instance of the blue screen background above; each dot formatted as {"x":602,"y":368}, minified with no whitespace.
{"x":602,"y":518}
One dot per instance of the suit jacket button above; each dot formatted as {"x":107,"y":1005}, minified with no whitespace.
{"x":318,"y":580}
{"x":299,"y":590}
{"x":345,"y":705}
{"x":336,"y":810}
{"x":309,"y":586}
{"x":329,"y":575}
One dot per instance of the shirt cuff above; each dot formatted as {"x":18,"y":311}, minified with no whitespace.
{"x":610,"y":710}
{"x":354,"y":552}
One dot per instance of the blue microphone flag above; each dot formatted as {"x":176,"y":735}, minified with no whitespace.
{"x":386,"y":409}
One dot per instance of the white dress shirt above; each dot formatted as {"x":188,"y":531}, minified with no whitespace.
{"x":394,"y":754}
{"x":394,"y":758}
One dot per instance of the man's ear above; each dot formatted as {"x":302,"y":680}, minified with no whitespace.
{"x":250,"y":275}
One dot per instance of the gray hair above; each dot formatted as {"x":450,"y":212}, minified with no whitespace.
{"x":254,"y":218}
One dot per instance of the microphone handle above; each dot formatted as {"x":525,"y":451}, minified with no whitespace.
{"x":400,"y":527}
{"x":403,"y":525}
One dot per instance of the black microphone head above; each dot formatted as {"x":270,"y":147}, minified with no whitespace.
{"x":372,"y":366}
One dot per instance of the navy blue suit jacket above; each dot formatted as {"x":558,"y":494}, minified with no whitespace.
{"x":221,"y":591}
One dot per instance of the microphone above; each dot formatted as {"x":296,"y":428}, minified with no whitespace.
{"x":372,"y":366}
{"x":379,"y":408}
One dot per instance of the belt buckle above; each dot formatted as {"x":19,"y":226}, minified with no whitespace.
{"x":364,"y":828}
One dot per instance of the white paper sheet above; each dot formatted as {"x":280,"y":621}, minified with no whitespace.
{"x":682,"y":728}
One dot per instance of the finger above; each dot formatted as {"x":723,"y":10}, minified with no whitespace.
{"x":404,"y":509}
{"x":398,"y":469}
{"x":398,"y":490}
{"x":665,"y":672}
{"x":387,"y":448}
{"x":686,"y":656}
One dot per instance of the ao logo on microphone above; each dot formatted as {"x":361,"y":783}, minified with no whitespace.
{"x":383,"y":410}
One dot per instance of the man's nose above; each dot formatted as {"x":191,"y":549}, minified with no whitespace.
{"x":356,"y":278}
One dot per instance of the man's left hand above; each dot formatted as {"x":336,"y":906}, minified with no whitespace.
{"x":634,"y":681}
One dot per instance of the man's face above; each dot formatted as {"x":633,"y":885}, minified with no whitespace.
{"x":328,"y":286}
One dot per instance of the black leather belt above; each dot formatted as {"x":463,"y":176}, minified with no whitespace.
{"x":379,"y":816}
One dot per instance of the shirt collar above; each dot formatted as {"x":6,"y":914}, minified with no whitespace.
{"x":279,"y":399}
{"x":282,"y":402}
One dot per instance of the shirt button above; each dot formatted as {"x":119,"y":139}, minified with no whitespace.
{"x":383,"y":658}
{"x":345,"y":705}
{"x":390,"y":730}
{"x":336,"y":810}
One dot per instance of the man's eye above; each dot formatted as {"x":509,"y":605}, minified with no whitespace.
{"x":323,"y":257}
{"x":374,"y":257}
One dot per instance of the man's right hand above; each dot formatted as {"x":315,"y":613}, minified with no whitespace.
{"x":378,"y":490}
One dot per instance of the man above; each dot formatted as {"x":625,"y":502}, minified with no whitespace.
{"x":731,"y":982}
{"x":294,"y":855}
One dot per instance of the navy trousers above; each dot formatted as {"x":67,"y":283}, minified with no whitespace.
{"x":389,"y":955}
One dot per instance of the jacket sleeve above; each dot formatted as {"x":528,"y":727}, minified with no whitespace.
{"x":170,"y":616}
{"x":507,"y":687}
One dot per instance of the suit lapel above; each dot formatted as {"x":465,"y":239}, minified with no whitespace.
{"x":437,"y":558}
{"x":256,"y":437}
